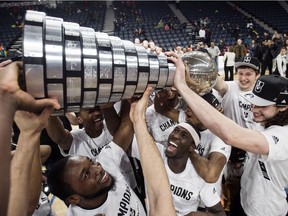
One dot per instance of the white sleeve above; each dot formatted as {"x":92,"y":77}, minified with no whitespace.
{"x":209,"y":195}
{"x":277,"y":137}
{"x":219,"y":146}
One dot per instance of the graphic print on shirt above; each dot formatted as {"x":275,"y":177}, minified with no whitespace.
{"x":181,"y":192}
{"x":167,"y":125}
{"x":96,"y":151}
{"x":264,"y":170}
{"x":246,"y":109}
{"x":200,"y":149}
{"x":124,"y":205}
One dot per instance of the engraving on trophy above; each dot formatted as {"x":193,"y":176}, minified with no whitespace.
{"x":73,"y":89}
{"x":73,"y":55}
{"x":104,"y":93}
{"x":89,"y":98}
{"x":129,"y":91}
{"x":154,"y":69}
{"x":33,"y":41}
{"x":119,"y":56}
{"x":71,"y":29}
{"x":163,"y":75}
{"x":34,"y":77}
{"x":89,"y":46}
{"x":119,"y":79}
{"x":54,"y":61}
{"x":56,"y":90}
{"x":53,"y":29}
{"x":105,"y":60}
{"x":142,"y":82}
{"x":90,"y":73}
{"x":132,"y":68}
{"x":115,"y":97}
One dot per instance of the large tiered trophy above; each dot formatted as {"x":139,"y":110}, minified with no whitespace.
{"x":84,"y":68}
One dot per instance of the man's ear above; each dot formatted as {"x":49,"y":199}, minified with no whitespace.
{"x":73,"y":199}
{"x":192,"y":148}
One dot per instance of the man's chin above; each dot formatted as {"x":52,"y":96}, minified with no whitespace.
{"x":102,"y":191}
{"x":169,"y":154}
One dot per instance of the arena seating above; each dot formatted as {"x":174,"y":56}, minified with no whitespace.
{"x":227,"y":24}
{"x":270,"y":12}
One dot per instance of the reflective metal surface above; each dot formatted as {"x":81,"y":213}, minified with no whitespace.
{"x":84,"y":68}
{"x":202,"y":69}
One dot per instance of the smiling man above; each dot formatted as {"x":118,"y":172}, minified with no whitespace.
{"x":265,"y":176}
{"x":163,"y":115}
{"x":187,"y":187}
{"x":90,"y":189}
{"x":88,"y":141}
{"x":101,"y":185}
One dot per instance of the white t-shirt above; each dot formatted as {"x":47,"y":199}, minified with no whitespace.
{"x":84,"y":145}
{"x":159,"y":125}
{"x":121,"y":199}
{"x":265,"y":177}
{"x":210,"y":143}
{"x":238,"y":108}
{"x":187,"y":188}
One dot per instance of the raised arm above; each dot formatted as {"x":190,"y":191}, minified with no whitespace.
{"x":12,"y":98}
{"x":243,"y":138}
{"x":124,"y":135}
{"x":209,"y":168}
{"x":111,"y":117}
{"x":58,"y":133}
{"x":155,"y":176}
{"x":221,"y":86}
{"x":27,"y":152}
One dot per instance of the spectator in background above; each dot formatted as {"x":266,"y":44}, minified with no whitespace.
{"x":201,"y":47}
{"x":160,"y":24}
{"x":202,"y":34}
{"x":3,"y":52}
{"x":166,"y":27}
{"x":239,"y":50}
{"x":281,"y":64}
{"x":207,"y":35}
{"x":229,"y":62}
{"x":178,"y":50}
{"x":266,"y":57}
{"x":214,"y":52}
{"x":266,"y":36}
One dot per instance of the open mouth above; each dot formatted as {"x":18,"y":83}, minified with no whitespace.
{"x":172,"y":147}
{"x":98,"y":119}
{"x":104,"y":178}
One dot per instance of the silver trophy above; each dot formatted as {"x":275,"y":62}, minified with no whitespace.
{"x":84,"y":68}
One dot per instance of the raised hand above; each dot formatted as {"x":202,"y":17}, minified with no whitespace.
{"x":138,"y":108}
{"x":12,"y":93}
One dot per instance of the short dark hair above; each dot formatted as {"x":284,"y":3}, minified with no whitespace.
{"x":56,"y":182}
